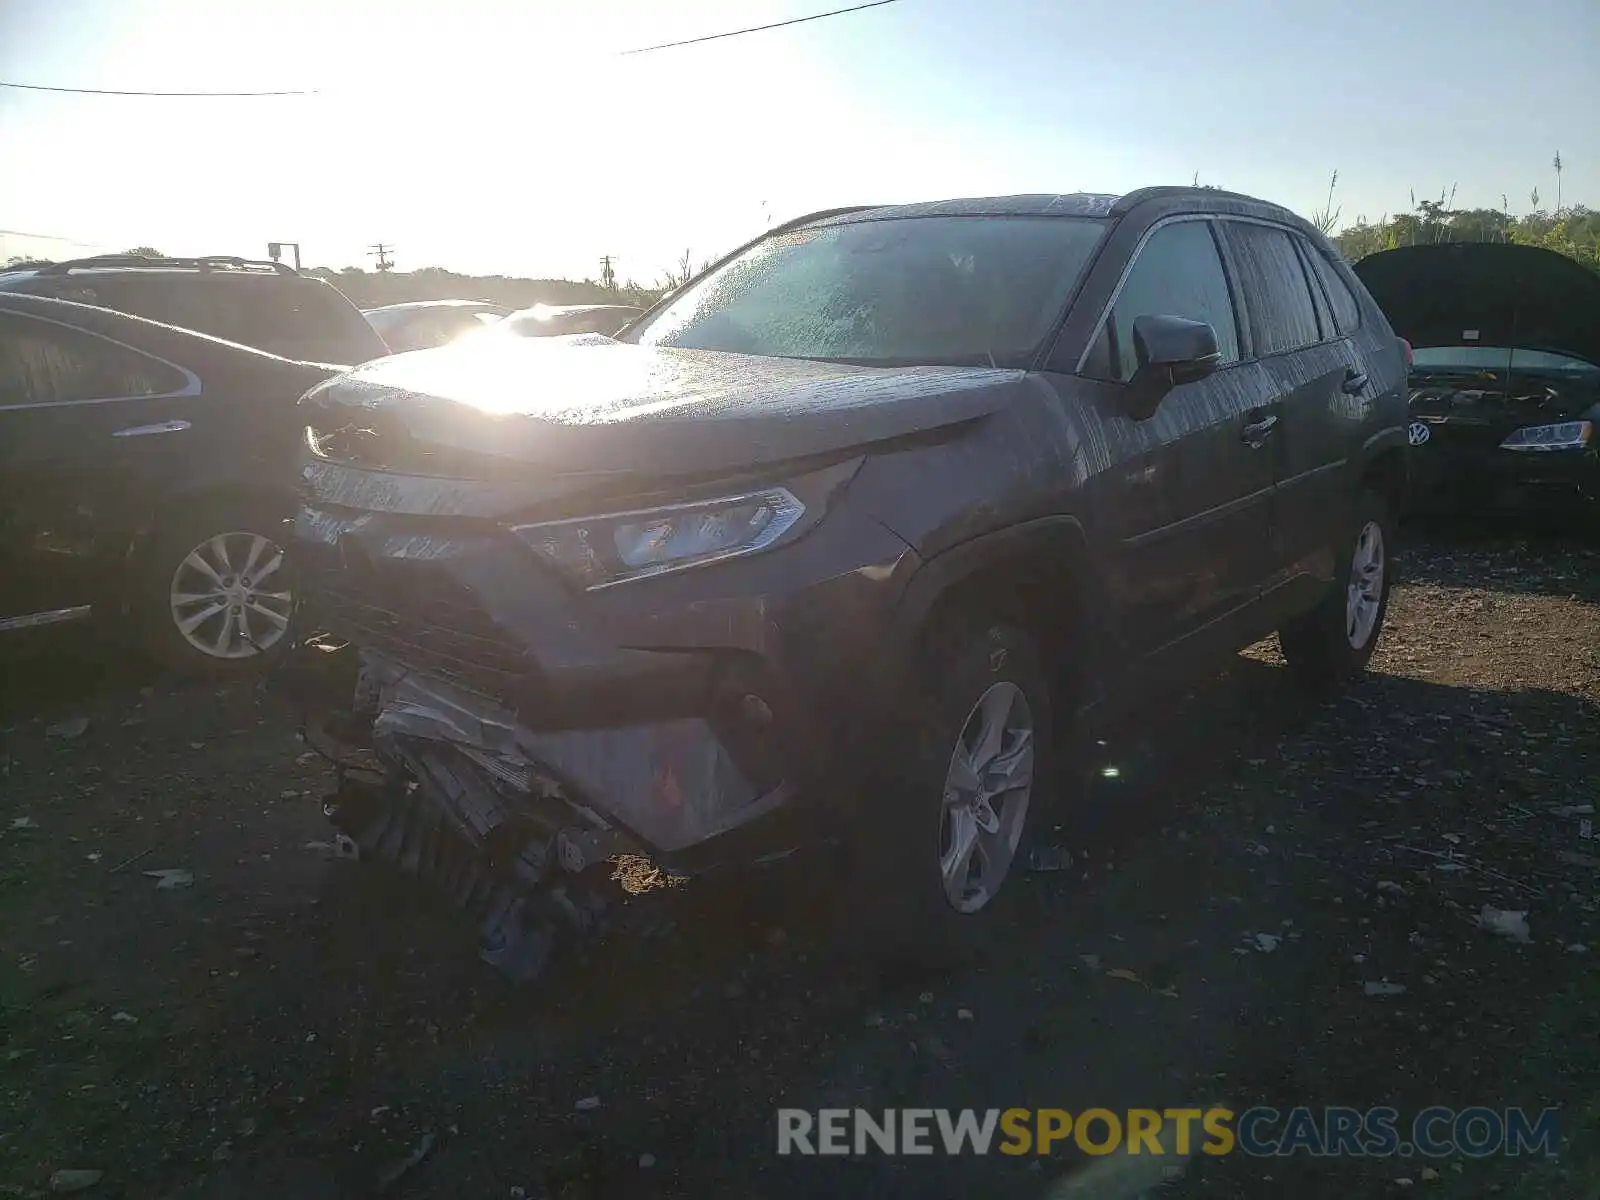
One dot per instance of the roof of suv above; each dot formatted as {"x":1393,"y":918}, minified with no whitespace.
{"x":219,"y":263}
{"x":1075,"y":204}
{"x":1066,"y":204}
{"x":268,"y":305}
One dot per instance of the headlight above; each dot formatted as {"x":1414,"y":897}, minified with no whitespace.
{"x":1569,"y":435}
{"x":634,"y":545}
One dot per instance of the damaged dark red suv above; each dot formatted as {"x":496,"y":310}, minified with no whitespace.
{"x":854,"y":539}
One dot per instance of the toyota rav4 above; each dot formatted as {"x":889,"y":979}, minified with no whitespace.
{"x":852,"y":538}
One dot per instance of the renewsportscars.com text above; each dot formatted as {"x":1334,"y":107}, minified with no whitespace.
{"x":1258,"y":1132}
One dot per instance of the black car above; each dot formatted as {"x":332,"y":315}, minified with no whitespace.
{"x":267,"y":305}
{"x":1505,"y":382}
{"x":834,"y":545}
{"x":559,"y":320}
{"x":146,"y":476}
{"x":423,"y":324}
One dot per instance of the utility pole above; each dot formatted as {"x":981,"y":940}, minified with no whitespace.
{"x":381,"y":251}
{"x":608,"y":277}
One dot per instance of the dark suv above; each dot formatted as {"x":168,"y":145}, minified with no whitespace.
{"x":266,"y":305}
{"x":842,"y":541}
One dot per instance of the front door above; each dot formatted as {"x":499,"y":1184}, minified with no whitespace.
{"x":1198,"y":553}
{"x":88,"y":429}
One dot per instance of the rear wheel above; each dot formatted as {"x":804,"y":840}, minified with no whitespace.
{"x":1332,"y":644}
{"x":948,"y":832}
{"x":212,"y":594}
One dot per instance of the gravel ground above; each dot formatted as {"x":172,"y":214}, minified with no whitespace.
{"x":281,"y":1025}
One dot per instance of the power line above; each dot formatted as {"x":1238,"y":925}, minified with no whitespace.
{"x":43,"y":237}
{"x":712,"y":37}
{"x":40,"y":87}
{"x":694,"y":41}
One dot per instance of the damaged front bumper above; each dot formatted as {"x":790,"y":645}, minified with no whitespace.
{"x":494,"y":737}
{"x":448,"y":786}
{"x":439,"y":786}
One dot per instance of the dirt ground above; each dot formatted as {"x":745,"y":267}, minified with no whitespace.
{"x":290,"y":1026}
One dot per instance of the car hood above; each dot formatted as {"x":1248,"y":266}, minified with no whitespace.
{"x":589,"y":404}
{"x":1487,"y":294}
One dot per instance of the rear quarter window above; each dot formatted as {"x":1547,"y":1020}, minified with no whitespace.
{"x":1346,"y":309}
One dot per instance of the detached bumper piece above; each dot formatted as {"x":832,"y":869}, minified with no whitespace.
{"x":520,"y":912}
{"x":436,"y":792}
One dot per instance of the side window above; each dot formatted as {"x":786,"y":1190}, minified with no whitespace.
{"x":1178,"y":273}
{"x":42,"y":363}
{"x":1277,"y":294}
{"x":1319,"y":298}
{"x":1346,"y":310}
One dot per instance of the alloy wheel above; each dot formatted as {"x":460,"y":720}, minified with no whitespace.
{"x":1364,"y":593}
{"x":228,"y":598}
{"x":986,"y":793}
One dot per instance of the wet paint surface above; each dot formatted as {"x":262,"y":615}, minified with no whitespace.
{"x":569,"y":405}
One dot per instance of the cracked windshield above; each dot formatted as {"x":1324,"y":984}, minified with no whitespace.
{"x":888,"y":598}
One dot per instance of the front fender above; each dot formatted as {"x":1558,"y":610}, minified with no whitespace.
{"x":1052,"y":552}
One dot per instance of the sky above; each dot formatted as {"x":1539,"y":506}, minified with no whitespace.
{"x":514,"y":137}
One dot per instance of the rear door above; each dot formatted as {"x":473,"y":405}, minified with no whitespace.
{"x":90,"y":430}
{"x":1193,"y":550}
{"x":1315,"y":393}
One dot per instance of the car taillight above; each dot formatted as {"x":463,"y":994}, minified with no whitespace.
{"x":1405,"y":347}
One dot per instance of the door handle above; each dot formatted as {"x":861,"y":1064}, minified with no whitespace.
{"x":147,"y":430}
{"x":1354,"y":381}
{"x":1256,"y":432}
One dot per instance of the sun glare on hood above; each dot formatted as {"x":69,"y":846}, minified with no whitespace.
{"x":582,"y":379}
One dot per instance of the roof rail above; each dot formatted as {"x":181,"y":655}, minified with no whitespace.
{"x":1163,"y":191}
{"x":207,"y":262}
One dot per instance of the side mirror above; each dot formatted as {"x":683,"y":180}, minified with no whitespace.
{"x":1170,"y":351}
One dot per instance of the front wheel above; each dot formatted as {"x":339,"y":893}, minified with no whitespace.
{"x":1332,"y":644}
{"x":212,"y":592}
{"x":944,"y":838}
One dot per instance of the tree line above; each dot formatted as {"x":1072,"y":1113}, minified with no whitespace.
{"x":1573,"y":230}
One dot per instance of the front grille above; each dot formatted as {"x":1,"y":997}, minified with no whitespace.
{"x":410,"y":614}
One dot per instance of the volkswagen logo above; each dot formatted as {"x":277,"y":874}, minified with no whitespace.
{"x":1418,"y":433}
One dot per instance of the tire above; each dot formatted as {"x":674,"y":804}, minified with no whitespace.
{"x":1328,"y":648}
{"x":907,"y":827}
{"x":239,"y":533}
